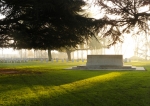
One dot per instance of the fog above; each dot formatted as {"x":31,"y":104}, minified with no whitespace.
{"x":132,"y":47}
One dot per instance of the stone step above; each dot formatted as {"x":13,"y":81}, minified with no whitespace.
{"x":104,"y":67}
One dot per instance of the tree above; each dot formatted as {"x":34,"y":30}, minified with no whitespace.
{"x":48,"y":24}
{"x":68,"y":50}
{"x":123,"y":16}
{"x":42,"y":24}
{"x":141,"y":46}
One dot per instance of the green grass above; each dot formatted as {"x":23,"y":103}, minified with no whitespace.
{"x":48,"y":84}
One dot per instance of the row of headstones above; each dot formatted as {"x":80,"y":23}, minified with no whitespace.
{"x":19,"y":60}
{"x":13,"y":60}
{"x":126,"y":60}
{"x":24,"y":60}
{"x":62,"y":60}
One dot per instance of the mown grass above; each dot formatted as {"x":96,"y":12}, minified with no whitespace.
{"x":48,"y":84}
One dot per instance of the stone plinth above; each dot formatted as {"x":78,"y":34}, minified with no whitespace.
{"x":105,"y":60}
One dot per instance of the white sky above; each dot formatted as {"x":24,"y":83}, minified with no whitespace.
{"x":1,"y":16}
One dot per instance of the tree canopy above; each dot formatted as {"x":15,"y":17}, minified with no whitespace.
{"x":51,"y":24}
{"x":42,"y":24}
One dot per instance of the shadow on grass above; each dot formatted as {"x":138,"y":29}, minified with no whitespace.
{"x":47,"y":79}
{"x":47,"y":95}
{"x":111,"y":89}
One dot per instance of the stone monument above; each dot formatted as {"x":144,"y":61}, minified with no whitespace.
{"x":104,"y":62}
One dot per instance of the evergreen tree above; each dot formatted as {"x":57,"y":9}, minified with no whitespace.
{"x":45,"y":24}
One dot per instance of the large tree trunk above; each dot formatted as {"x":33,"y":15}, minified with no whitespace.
{"x":68,"y":54}
{"x":49,"y":55}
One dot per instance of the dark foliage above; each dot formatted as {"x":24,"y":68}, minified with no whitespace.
{"x":43,"y":24}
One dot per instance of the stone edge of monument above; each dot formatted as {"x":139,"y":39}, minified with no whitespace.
{"x":133,"y":69}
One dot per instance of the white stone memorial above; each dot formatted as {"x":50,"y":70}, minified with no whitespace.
{"x":105,"y":62}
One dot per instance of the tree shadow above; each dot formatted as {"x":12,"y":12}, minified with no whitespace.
{"x":125,"y":90}
{"x":65,"y":93}
{"x":47,"y":79}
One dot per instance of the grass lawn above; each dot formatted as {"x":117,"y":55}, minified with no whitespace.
{"x":48,"y":84}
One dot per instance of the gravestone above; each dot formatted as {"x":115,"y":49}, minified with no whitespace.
{"x":125,"y":60}
{"x":41,"y":60}
{"x":82,"y":60}
{"x":67,"y":60}
{"x":46,"y":60}
{"x":72,"y":60}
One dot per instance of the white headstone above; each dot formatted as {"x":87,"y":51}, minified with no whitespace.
{"x":82,"y":60}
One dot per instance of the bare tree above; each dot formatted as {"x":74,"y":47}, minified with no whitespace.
{"x":123,"y":16}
